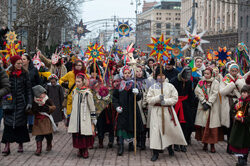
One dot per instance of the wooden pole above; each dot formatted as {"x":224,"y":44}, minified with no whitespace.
{"x":95,"y":67}
{"x":135,"y":111}
{"x":107,"y":66}
{"x":162,"y":108}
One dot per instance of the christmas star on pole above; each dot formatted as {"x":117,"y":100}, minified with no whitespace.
{"x":193,"y":40}
{"x":95,"y":52}
{"x":11,"y":48}
{"x":160,"y":47}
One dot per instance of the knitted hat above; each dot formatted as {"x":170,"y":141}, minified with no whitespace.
{"x":248,"y":80}
{"x":233,"y":66}
{"x":15,"y":58}
{"x":38,"y":90}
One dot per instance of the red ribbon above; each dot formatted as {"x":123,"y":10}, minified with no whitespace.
{"x":179,"y":108}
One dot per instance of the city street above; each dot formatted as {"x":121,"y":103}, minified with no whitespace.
{"x":63,"y":154}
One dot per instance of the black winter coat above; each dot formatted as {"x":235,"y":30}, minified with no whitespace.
{"x":125,"y":99}
{"x":34,"y":75}
{"x":189,"y":114}
{"x":21,"y":94}
{"x":170,"y":74}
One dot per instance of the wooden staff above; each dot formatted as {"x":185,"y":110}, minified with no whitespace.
{"x":107,"y":65}
{"x":135,"y":111}
{"x":94,"y":67}
{"x":162,"y":108}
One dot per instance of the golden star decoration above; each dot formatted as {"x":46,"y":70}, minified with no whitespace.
{"x":11,"y":37}
{"x":12,"y":49}
{"x":160,"y":48}
{"x":95,"y":52}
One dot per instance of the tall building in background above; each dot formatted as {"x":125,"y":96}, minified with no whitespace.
{"x":244,"y":22}
{"x":219,"y":18}
{"x":158,"y":18}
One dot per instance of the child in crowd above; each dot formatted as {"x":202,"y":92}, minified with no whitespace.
{"x":44,"y":124}
{"x":83,"y":117}
{"x":239,"y":142}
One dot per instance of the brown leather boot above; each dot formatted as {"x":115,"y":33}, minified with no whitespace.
{"x":6,"y":150}
{"x":38,"y":148}
{"x":100,"y":143}
{"x":20,"y":148}
{"x":49,"y":145}
{"x":85,"y":153}
{"x":212,"y":148}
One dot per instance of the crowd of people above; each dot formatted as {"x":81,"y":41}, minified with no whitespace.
{"x":165,"y":103}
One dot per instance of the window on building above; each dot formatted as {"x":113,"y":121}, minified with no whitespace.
{"x":247,"y":38}
{"x":158,"y":32}
{"x":177,"y":25}
{"x":168,"y":25}
{"x":168,"y":33}
{"x":247,"y":22}
{"x":241,"y":21}
{"x":158,"y":25}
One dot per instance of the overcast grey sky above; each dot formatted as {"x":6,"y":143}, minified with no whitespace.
{"x":101,"y":9}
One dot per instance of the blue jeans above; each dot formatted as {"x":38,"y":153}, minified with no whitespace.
{"x":30,"y":119}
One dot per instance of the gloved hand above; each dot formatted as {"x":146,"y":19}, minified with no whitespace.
{"x":119,"y":109}
{"x":163,"y":102}
{"x":205,"y":106}
{"x":94,"y":122}
{"x":161,"y":97}
{"x":65,"y":85}
{"x":28,"y":107}
{"x":135,"y":91}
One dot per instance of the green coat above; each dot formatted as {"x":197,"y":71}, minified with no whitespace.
{"x":240,"y":134}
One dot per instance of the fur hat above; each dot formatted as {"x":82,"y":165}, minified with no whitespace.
{"x":171,"y":62}
{"x":38,"y":90}
{"x":15,"y":58}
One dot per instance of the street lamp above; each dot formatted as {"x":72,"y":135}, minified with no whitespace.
{"x":137,"y":4}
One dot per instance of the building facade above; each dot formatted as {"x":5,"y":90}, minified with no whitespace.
{"x":244,"y":22}
{"x":161,"y":18}
{"x":218,"y":18}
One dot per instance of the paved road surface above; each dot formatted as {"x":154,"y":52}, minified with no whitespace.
{"x":63,"y":154}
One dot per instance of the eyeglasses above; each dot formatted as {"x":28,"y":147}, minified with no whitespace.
{"x":78,"y":65}
{"x":19,"y":63}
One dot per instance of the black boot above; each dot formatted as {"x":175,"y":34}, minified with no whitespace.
{"x":240,"y":161}
{"x":30,"y":128}
{"x":245,"y":159}
{"x":155,"y":155}
{"x":121,"y":147}
{"x":100,"y":143}
{"x":228,"y":150}
{"x":143,"y":141}
{"x":183,"y":148}
{"x":170,"y":151}
{"x":177,"y":148}
{"x":130,"y":147}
